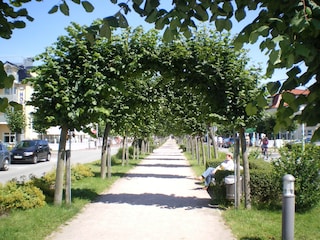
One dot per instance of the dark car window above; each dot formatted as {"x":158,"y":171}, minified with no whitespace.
{"x":26,"y":144}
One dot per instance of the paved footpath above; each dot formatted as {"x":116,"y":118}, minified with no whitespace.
{"x":158,"y":199}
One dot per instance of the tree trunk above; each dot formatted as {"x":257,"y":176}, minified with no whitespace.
{"x":138,"y":149}
{"x":213,"y":139}
{"x":68,"y":173}
{"x":104,"y":152}
{"x":247,"y":195}
{"x":109,"y":160}
{"x":18,"y":137}
{"x":127,"y":152}
{"x":123,"y":150}
{"x":203,"y":151}
{"x":237,"y":173}
{"x":197,"y":150}
{"x":134,"y":145}
{"x":58,"y":191}
{"x":208,"y":146}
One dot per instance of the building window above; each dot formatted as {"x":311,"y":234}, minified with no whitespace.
{"x":7,"y":91}
{"x":9,"y":137}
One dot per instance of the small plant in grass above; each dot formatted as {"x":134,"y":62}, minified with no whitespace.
{"x":254,"y":154}
{"x":46,"y":183}
{"x":80,"y":171}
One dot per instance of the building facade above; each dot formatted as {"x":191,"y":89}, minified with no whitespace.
{"x":21,"y":93}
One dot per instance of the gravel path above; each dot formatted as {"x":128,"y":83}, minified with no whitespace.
{"x":158,"y":199}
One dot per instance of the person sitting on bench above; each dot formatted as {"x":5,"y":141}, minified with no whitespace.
{"x":208,"y":174}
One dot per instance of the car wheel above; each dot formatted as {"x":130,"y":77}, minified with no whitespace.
{"x":5,"y":165}
{"x":35,"y":159}
{"x":48,"y":157}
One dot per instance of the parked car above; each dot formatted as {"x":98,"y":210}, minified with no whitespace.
{"x":31,"y":151}
{"x":227,"y":142}
{"x":4,"y":157}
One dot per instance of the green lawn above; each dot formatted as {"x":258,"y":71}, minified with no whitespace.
{"x":36,"y":224}
{"x":257,"y":224}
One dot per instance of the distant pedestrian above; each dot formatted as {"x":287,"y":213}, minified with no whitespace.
{"x":264,"y":146}
{"x":220,"y":142}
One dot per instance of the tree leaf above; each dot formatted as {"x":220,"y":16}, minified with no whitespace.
{"x":87,"y":6}
{"x":160,"y":23}
{"x":175,"y":23}
{"x":227,"y":7}
{"x":254,"y":37}
{"x":240,"y":14}
{"x":201,"y":13}
{"x":187,"y":33}
{"x":219,"y":24}
{"x":16,"y":106}
{"x":262,"y":101}
{"x":112,"y":21}
{"x":152,"y":16}
{"x":54,"y":9}
{"x":64,"y":8}
{"x":105,"y":30}
{"x":19,"y":24}
{"x":123,"y":23}
{"x":168,"y":35}
{"x":223,"y":24}
{"x":138,"y":2}
{"x":273,"y":87}
{"x":251,"y":109}
{"x":125,"y":7}
{"x":3,"y":104}
{"x":302,"y":50}
{"x":8,"y":81}
{"x":274,"y":57}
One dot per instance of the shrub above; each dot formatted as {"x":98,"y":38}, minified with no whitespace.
{"x":80,"y":171}
{"x":265,"y":189}
{"x":46,"y":183}
{"x":254,"y":154}
{"x":304,"y":165}
{"x":20,"y":196}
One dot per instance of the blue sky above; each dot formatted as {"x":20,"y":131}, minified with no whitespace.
{"x":46,"y":28}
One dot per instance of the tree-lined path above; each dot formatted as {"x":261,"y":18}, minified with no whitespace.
{"x":158,"y":199}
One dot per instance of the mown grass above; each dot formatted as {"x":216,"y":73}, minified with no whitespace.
{"x":257,"y":224}
{"x":36,"y":224}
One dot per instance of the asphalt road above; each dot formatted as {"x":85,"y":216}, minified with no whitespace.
{"x":22,"y":171}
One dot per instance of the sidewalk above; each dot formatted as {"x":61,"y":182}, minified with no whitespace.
{"x":157,"y":200}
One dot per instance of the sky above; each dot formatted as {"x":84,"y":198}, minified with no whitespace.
{"x":46,"y":28}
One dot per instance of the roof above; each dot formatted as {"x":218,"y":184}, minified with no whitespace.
{"x":276,"y":99}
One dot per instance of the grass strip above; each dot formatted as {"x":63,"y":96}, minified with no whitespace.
{"x":38,"y":223}
{"x":264,"y":224}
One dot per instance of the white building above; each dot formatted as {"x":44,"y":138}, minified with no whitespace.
{"x":21,"y":93}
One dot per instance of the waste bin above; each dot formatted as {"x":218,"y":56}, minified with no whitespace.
{"x":230,"y":187}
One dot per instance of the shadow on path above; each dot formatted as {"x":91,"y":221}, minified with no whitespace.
{"x":155,"y":199}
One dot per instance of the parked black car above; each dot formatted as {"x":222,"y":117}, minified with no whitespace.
{"x":4,"y":157}
{"x":31,"y":151}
